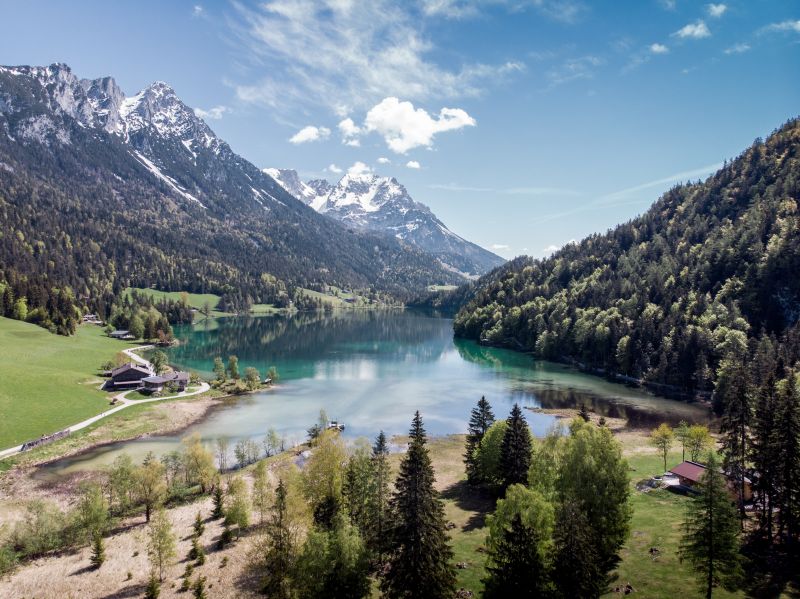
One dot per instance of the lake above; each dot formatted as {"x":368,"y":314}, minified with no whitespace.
{"x":371,"y":369}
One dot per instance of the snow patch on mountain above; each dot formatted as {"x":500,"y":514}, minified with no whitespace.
{"x":166,"y":179}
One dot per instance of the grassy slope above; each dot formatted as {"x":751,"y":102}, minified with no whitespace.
{"x":48,"y":381}
{"x":656,"y":522}
{"x":198,"y":300}
{"x":195,"y":300}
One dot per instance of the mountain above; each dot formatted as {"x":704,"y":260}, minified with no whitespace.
{"x":673,"y":295}
{"x":368,"y":202}
{"x":99,"y":191}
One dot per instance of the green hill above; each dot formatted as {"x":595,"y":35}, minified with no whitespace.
{"x":709,"y":267}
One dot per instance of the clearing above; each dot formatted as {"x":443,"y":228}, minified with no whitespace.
{"x":48,"y":382}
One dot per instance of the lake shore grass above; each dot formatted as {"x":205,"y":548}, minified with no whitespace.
{"x":49,"y":382}
{"x":656,"y":522}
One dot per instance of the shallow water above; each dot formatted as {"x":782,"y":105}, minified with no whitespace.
{"x":372,"y":370}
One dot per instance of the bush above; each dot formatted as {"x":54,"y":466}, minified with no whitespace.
{"x":8,"y":560}
{"x":42,"y":530}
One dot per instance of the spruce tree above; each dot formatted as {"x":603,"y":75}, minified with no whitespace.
{"x":734,"y":394}
{"x":711,"y":532}
{"x":516,"y":567}
{"x":576,"y":565}
{"x":280,"y":550}
{"x":198,"y":525}
{"x":787,"y":457}
{"x":419,"y":562}
{"x":378,"y":506}
{"x":480,"y":420}
{"x":153,"y":588}
{"x":764,"y":457}
{"x":98,"y":551}
{"x":218,"y":497}
{"x":515,"y":452}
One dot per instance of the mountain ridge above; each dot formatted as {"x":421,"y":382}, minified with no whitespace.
{"x":671,"y":295}
{"x":370,"y":202}
{"x":139,"y":191}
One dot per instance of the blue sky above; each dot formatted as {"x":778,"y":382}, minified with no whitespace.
{"x":529,"y":122}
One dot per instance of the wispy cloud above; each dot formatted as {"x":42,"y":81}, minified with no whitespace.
{"x":573,"y":69}
{"x":347,"y":55}
{"x":529,"y":191}
{"x":697,"y":30}
{"x":629,"y":195}
{"x":565,"y":11}
{"x":790,"y":26}
{"x":659,"y":48}
{"x":214,"y":114}
{"x":310,"y":133}
{"x":332,"y":168}
{"x":715,"y":11}
{"x":740,"y":48}
{"x":198,"y":11}
{"x":500,"y":246}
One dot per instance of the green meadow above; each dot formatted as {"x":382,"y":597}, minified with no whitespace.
{"x":48,"y":382}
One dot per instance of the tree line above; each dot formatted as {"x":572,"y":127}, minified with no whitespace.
{"x":672,"y":295}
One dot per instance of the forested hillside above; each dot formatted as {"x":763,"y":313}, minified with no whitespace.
{"x":99,"y":192}
{"x":666,"y":297}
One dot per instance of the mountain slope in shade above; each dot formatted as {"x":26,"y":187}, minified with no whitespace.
{"x":381,"y":204}
{"x":159,"y":199}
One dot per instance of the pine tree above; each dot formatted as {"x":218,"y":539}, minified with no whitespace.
{"x":419,"y":563}
{"x":517,"y":567}
{"x":480,"y":420}
{"x":763,"y":455}
{"x":153,"y":588}
{"x":711,"y":532}
{"x":734,"y":394}
{"x":98,"y":551}
{"x":787,"y":457}
{"x":378,"y":506}
{"x":576,"y":567}
{"x":198,"y":525}
{"x":218,"y":497}
{"x":515,"y":452}
{"x":280,"y":550}
{"x":199,"y":588}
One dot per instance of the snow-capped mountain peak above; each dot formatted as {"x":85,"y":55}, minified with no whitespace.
{"x":312,"y":193}
{"x":379,"y":203}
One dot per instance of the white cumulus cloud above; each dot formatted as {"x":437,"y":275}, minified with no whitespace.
{"x":310,"y":133}
{"x":697,"y":30}
{"x":658,"y":48}
{"x":716,"y":10}
{"x":334,"y":169}
{"x":384,"y":160}
{"x":413,"y":164}
{"x":359,"y":168}
{"x":214,"y":114}
{"x":404,"y":127}
{"x":350,"y":132}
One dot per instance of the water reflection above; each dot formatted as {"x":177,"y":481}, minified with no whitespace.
{"x":372,"y":370}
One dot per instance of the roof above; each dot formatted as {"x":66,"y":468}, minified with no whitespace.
{"x":692,"y":471}
{"x":167,"y":377}
{"x":129,"y":366}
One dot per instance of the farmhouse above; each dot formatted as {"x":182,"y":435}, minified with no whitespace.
{"x":156,"y":383}
{"x":128,"y":376}
{"x":689,"y":474}
{"x":121,"y":335}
